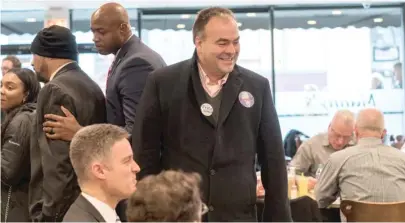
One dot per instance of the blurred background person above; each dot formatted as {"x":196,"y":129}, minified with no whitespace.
{"x":171,"y":196}
{"x":10,"y":62}
{"x":398,"y":75}
{"x":377,"y":81}
{"x":316,"y":150}
{"x":19,"y":91}
{"x":369,"y":171}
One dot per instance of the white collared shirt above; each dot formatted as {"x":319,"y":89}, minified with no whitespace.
{"x":57,"y":70}
{"x":106,"y":211}
{"x":211,"y":88}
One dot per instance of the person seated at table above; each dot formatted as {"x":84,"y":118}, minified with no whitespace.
{"x":171,"y":196}
{"x":317,"y":149}
{"x":370,"y":171}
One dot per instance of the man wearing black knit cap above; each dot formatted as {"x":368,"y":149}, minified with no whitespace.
{"x":53,"y":184}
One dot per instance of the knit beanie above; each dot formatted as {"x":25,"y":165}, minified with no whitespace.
{"x":55,"y":42}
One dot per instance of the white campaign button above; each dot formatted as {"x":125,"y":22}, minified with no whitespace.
{"x":206,"y":109}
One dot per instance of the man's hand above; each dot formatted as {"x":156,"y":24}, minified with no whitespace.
{"x":311,"y":183}
{"x":59,"y":127}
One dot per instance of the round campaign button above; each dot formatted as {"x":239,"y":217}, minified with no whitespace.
{"x":246,"y":99}
{"x":206,"y":109}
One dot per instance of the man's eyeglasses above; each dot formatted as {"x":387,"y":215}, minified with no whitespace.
{"x":339,"y":136}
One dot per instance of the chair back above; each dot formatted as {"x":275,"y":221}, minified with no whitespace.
{"x":356,"y":211}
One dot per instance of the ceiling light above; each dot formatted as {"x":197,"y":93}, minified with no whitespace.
{"x":185,"y":16}
{"x":251,"y":14}
{"x":311,"y":22}
{"x":181,"y":26}
{"x":336,"y":12}
{"x":31,"y":20}
{"x":239,"y":24}
{"x":377,"y":20}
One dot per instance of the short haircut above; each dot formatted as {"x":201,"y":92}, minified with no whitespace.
{"x":204,"y":16}
{"x":14,"y":60}
{"x":345,"y":116}
{"x":91,"y":143}
{"x":370,"y":119}
{"x":171,"y":196}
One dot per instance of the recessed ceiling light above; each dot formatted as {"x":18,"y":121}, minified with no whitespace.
{"x":377,"y":20}
{"x":185,"y":16}
{"x":181,"y":26}
{"x":311,"y":22}
{"x":337,"y":12}
{"x":30,"y":20}
{"x":239,"y":24}
{"x":251,"y":14}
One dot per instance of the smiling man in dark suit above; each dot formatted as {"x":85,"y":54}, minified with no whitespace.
{"x":53,"y":184}
{"x":211,"y":116}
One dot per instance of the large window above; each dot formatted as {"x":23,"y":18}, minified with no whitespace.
{"x":333,"y":59}
{"x":94,"y":64}
{"x":20,"y":27}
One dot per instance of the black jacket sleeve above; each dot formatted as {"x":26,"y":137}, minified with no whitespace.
{"x":272,"y":161}
{"x":147,"y":132}
{"x":130,"y":87}
{"x":16,"y":149}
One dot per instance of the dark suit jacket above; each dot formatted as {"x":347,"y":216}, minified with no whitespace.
{"x":53,"y":186}
{"x":170,"y":132}
{"x":125,"y":84}
{"x":83,"y":211}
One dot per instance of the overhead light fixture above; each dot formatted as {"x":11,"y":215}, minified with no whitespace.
{"x":30,"y":20}
{"x":181,"y":26}
{"x":378,"y":20}
{"x":251,"y":14}
{"x":311,"y":22}
{"x":336,"y":12}
{"x":185,"y":16}
{"x":239,"y":24}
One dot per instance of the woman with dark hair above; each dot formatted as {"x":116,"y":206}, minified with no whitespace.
{"x":19,"y":91}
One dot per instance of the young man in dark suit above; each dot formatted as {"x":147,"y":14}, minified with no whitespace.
{"x":53,"y":184}
{"x":211,"y":116}
{"x":103,"y":161}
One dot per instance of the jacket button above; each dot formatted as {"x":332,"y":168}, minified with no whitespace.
{"x":212,"y":172}
{"x":211,"y":208}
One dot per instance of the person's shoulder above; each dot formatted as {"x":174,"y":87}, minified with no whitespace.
{"x":318,"y":139}
{"x":250,"y":75}
{"x":172,"y":71}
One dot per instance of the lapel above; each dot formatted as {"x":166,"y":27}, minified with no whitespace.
{"x":71,"y":66}
{"x":84,"y":204}
{"x":230,"y":92}
{"x":199,"y":90}
{"x":122,"y":52}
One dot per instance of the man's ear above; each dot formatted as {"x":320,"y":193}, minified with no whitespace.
{"x":198,"y":42}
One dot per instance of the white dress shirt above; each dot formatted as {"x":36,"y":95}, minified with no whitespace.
{"x":106,"y":211}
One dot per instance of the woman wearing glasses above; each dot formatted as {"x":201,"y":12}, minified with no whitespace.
{"x":19,"y":91}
